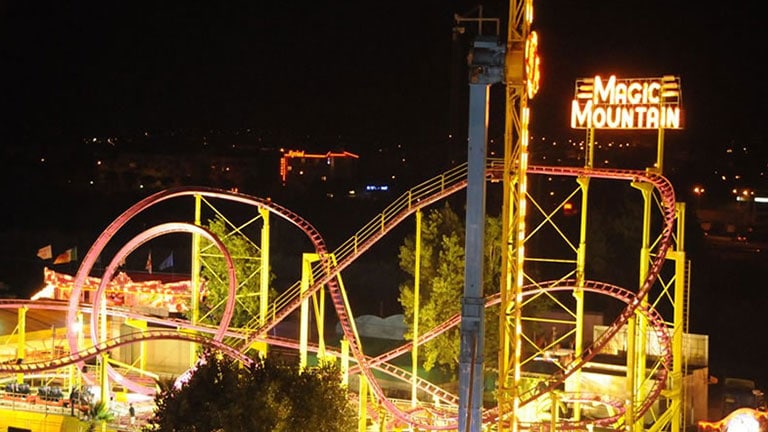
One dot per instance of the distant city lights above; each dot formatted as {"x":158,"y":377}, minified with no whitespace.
{"x":377,"y":188}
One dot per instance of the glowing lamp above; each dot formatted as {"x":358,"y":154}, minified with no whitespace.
{"x":569,"y":209}
{"x":742,"y":422}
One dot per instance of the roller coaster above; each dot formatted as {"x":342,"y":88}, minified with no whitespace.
{"x":326,"y":275}
{"x":645,"y":344}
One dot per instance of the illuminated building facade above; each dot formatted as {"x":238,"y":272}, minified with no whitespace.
{"x":159,"y":296}
{"x":300,"y":167}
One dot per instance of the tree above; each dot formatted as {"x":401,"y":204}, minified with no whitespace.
{"x":224,"y":395}
{"x":99,"y":415}
{"x":442,"y":285}
{"x":247,"y":259}
{"x":613,"y":240}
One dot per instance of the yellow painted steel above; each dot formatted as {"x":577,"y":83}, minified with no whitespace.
{"x":318,"y":302}
{"x":40,"y":421}
{"x":578,"y":294}
{"x":679,"y":325}
{"x":306,"y":280}
{"x":133,"y":368}
{"x":333,"y":260}
{"x":637,"y":326}
{"x":264,"y":280}
{"x":674,"y":417}
{"x":103,"y":378}
{"x":103,"y":357}
{"x":660,"y":151}
{"x":142,"y":326}
{"x":517,"y":203}
{"x":513,"y":213}
{"x":194,"y":307}
{"x":581,"y":261}
{"x":21,"y":345}
{"x":362,"y":408}
{"x":416,"y":294}
{"x":344,"y":362}
{"x":262,"y":316}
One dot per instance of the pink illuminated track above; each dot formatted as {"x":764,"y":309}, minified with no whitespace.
{"x":326,"y":272}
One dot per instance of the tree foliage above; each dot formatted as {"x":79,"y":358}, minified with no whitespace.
{"x":613,"y":240}
{"x":224,"y":395}
{"x":442,"y":285}
{"x":247,"y":259}
{"x":99,"y":414}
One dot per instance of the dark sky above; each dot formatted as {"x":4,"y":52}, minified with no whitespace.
{"x":715,"y":50}
{"x":374,"y":71}
{"x":372,"y":68}
{"x":105,"y":68}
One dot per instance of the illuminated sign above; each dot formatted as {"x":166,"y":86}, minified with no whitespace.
{"x":532,"y":72}
{"x":644,"y":103}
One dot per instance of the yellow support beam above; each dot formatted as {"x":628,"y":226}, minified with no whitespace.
{"x":416,"y":284}
{"x":362,"y":408}
{"x":194,"y":307}
{"x":306,"y":281}
{"x":261,"y":347}
{"x":142,"y":326}
{"x":21,"y":343}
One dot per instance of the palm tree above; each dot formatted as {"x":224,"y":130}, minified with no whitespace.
{"x":99,"y":413}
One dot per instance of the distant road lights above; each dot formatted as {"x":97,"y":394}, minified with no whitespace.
{"x":698,"y":190}
{"x":744,"y":194}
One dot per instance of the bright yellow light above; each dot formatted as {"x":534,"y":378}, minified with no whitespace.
{"x":740,"y":420}
{"x":46,"y":292}
{"x":647,"y":103}
{"x":532,"y":62}
{"x":529,"y":12}
{"x":743,"y":422}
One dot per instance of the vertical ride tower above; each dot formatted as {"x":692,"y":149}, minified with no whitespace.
{"x":485,"y":69}
{"x":521,"y":80}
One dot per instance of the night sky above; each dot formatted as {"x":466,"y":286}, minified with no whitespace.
{"x":375,"y":73}
{"x":383,"y":68}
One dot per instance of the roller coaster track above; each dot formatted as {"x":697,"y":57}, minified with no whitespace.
{"x":655,"y":320}
{"x":432,"y":191}
{"x":418,"y":197}
{"x":439,"y":188}
{"x":326,"y":272}
{"x":378,"y":363}
{"x":126,"y":339}
{"x":122,"y":312}
{"x":93,"y":253}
